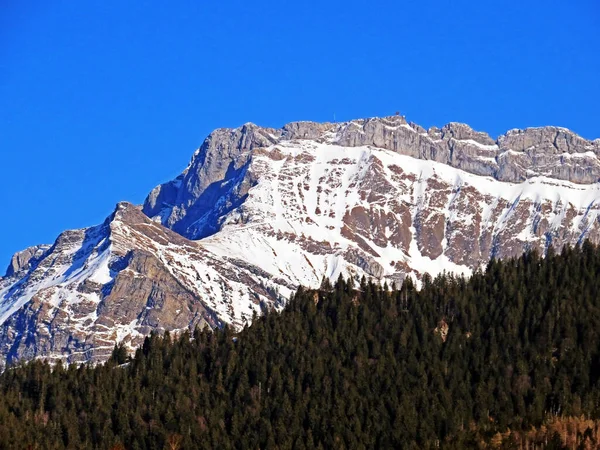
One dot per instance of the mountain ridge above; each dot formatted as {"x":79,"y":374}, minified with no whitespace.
{"x":455,"y":144}
{"x":260,"y":211}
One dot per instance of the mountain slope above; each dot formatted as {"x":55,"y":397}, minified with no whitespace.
{"x":260,"y":211}
{"x":117,"y":282}
{"x":507,"y":359}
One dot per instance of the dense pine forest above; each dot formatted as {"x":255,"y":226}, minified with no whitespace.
{"x":509,"y":358}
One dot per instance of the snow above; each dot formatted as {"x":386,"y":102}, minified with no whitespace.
{"x":535,"y":188}
{"x":588,"y":154}
{"x":331,"y":188}
{"x":77,"y":256}
{"x":60,"y":288}
{"x":294,"y":227}
{"x":489,"y":147}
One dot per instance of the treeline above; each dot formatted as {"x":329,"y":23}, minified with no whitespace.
{"x":489,"y":361}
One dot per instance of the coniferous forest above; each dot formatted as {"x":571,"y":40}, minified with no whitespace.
{"x":509,"y":358}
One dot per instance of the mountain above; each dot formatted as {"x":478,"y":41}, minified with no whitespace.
{"x":260,"y":211}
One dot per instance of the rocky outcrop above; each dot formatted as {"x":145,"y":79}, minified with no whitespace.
{"x":116,"y":283}
{"x":147,"y":294}
{"x":222,"y":156}
{"x":513,"y":157}
{"x":24,"y":259}
{"x":549,"y":151}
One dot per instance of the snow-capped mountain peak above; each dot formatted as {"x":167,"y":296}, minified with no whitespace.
{"x":260,"y":211}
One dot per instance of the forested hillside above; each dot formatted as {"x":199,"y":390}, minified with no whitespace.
{"x":508,"y":358}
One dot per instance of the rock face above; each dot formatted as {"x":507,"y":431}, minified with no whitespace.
{"x":118,"y":282}
{"x":260,"y":211}
{"x":213,"y":176}
{"x":186,"y":203}
{"x":25,"y":258}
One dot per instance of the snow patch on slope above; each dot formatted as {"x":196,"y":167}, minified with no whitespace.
{"x":57,"y":280}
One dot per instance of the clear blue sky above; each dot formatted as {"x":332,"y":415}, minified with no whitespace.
{"x":102,"y":100}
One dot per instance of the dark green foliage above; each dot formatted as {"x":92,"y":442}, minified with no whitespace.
{"x":348,"y":366}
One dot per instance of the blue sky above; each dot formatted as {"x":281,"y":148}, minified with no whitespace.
{"x":102,"y":100}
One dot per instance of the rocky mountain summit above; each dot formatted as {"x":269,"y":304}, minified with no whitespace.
{"x":514,"y":157}
{"x":260,"y":211}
